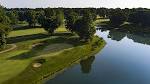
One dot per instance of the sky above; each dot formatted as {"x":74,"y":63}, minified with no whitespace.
{"x":75,"y":3}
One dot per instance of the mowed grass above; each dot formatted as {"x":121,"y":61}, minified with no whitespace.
{"x":26,"y":32}
{"x":61,"y":29}
{"x":9,"y":67}
{"x":101,"y":20}
{"x":58,"y":61}
{"x":16,"y":64}
{"x":34,"y":31}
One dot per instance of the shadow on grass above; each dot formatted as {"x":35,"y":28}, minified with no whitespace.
{"x":37,"y":50}
{"x":26,"y":38}
{"x":63,"y":34}
{"x":35,"y":36}
{"x":17,"y":27}
{"x":32,"y":53}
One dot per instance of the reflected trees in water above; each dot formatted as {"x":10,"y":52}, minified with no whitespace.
{"x":86,"y":64}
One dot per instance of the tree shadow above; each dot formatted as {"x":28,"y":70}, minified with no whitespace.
{"x":26,"y":38}
{"x":63,"y":34}
{"x":37,"y":50}
{"x":19,"y":27}
{"x":17,"y":39}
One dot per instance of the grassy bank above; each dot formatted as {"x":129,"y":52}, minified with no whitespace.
{"x":11,"y":68}
{"x":51,"y":64}
{"x":56,"y":51}
{"x":23,"y":39}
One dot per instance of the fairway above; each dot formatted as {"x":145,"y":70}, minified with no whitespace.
{"x":12,"y":67}
{"x":14,"y":62}
{"x":26,"y":32}
{"x":74,"y":42}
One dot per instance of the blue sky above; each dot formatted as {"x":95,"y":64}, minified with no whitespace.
{"x":75,"y":3}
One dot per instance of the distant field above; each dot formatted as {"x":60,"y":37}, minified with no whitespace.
{"x":98,"y":21}
{"x":26,"y":32}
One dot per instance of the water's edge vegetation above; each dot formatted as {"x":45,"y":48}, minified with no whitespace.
{"x":51,"y":65}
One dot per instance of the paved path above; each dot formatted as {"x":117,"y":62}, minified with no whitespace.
{"x":13,"y":47}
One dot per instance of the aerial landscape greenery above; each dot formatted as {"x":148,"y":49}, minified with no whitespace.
{"x":36,"y":44}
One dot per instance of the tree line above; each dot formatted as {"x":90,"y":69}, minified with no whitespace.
{"x":76,"y":20}
{"x":50,"y":19}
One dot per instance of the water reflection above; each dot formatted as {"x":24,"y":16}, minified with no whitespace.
{"x":86,"y":64}
{"x":116,"y":35}
{"x":119,"y":34}
{"x":122,"y":61}
{"x":139,"y":38}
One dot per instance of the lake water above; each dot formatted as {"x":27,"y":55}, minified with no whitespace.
{"x":124,"y":60}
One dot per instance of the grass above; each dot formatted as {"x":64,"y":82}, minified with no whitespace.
{"x":61,"y":29}
{"x":55,"y":50}
{"x":24,"y":39}
{"x":26,"y":32}
{"x":7,"y":47}
{"x":11,"y":68}
{"x":58,"y":62}
{"x":101,"y":21}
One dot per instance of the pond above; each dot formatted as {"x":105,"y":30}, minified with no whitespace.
{"x":124,"y":60}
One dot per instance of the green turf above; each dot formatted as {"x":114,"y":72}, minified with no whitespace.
{"x":101,"y":21}
{"x":14,"y":62}
{"x":61,"y":29}
{"x":56,"y":61}
{"x":7,"y":47}
{"x":26,"y":32}
{"x":24,"y":39}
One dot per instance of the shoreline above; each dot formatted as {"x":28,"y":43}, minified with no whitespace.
{"x":42,"y":73}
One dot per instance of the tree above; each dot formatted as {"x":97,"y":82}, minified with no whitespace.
{"x":4,"y":28}
{"x":84,"y":27}
{"x":81,"y":25}
{"x":31,"y":18}
{"x":3,"y":18}
{"x":21,"y":16}
{"x":92,"y":12}
{"x":51,"y":20}
{"x":13,"y":17}
{"x":117,"y":17}
{"x":102,"y":12}
{"x":141,"y":18}
{"x":59,"y":17}
{"x":71,"y":18}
